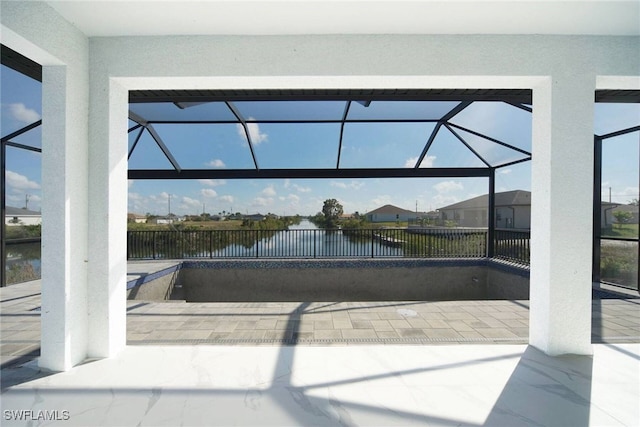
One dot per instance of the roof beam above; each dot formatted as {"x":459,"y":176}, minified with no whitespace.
{"x":222,"y":95}
{"x":619,"y":132}
{"x":16,"y":61}
{"x":427,"y":146}
{"x":455,"y":110}
{"x":21,"y":131}
{"x":467,"y":145}
{"x":145,"y":125}
{"x":488,"y":138}
{"x":520,"y":106}
{"x":243,"y":122}
{"x":135,"y":143}
{"x":138,"y":119}
{"x":344,"y":118}
{"x":308,"y":173}
{"x":22,"y":146}
{"x":163,"y":147}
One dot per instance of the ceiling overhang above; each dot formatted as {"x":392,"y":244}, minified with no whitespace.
{"x":101,"y":18}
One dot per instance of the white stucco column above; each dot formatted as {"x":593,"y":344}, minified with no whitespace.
{"x":108,"y":216}
{"x":561,"y":214}
{"x":64,"y":253}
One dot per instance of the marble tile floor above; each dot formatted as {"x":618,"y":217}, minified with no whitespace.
{"x":365,"y":385}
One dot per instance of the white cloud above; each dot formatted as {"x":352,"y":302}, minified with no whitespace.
{"x":164,"y":195}
{"x":256,"y":136}
{"x":188,"y":201}
{"x":293,"y":198}
{"x":23,"y":114}
{"x":410,"y":162}
{"x":354,"y":185}
{"x":301,"y":189}
{"x":208,"y":192}
{"x":381,"y":200}
{"x":440,"y":200}
{"x":505,"y":171}
{"x":448,"y":186}
{"x":19,"y":182}
{"x":287,"y":183}
{"x":212,"y":182}
{"x":130,"y":183}
{"x":216,"y":163}
{"x":135,"y":196}
{"x":269,"y":191}
{"x":262,"y":201}
{"x":226,"y":198}
{"x":18,"y":200}
{"x":427,"y":162}
{"x":620,"y":196}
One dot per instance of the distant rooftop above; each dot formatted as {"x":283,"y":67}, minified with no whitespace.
{"x":389,"y":209}
{"x":13,"y":211}
{"x":506,"y":198}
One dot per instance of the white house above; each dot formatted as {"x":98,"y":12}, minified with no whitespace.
{"x":607,"y":214}
{"x":166,"y":220}
{"x":18,"y":216}
{"x":137,"y":218}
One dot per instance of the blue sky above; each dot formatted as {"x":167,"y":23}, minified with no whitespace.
{"x":220,"y":146}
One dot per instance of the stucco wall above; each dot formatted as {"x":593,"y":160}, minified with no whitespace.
{"x":326,"y":280}
{"x":507,"y":282}
{"x":159,"y":288}
{"x":334,"y":280}
{"x":35,"y":30}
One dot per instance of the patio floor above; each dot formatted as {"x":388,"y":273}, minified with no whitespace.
{"x":356,"y":363}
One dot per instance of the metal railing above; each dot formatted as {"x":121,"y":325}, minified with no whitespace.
{"x":319,"y":243}
{"x":513,"y":246}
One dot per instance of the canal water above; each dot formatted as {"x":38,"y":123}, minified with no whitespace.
{"x":23,"y":262}
{"x":305,"y":240}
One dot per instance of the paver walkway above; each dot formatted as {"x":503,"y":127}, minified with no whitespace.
{"x":315,"y":323}
{"x":329,"y":322}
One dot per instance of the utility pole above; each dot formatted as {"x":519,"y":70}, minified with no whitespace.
{"x":26,"y":201}
{"x":609,"y":194}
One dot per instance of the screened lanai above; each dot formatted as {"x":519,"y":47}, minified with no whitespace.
{"x":339,"y":134}
{"x":322,"y":127}
{"x":329,"y":134}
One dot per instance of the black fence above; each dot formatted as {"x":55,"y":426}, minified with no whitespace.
{"x":318,"y":243}
{"x":513,"y":246}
